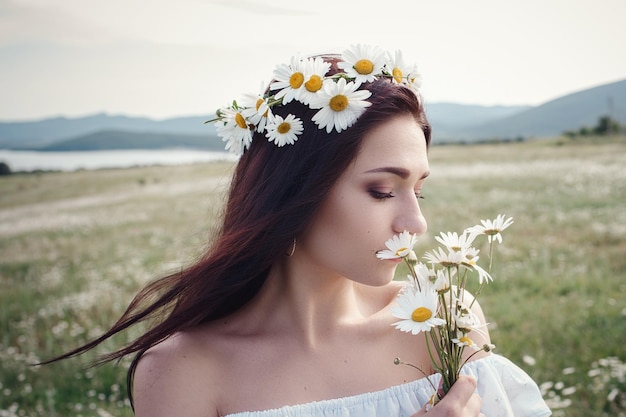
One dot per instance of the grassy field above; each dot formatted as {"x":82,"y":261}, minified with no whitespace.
{"x":75,"y":246}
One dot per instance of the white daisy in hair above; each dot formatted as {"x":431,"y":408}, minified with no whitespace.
{"x":289,"y":79}
{"x":284,"y":131}
{"x":256,"y":109}
{"x":401,"y":72}
{"x":340,"y":104}
{"x":315,"y":69}
{"x":408,"y":74}
{"x":234,"y":129}
{"x":363,"y":63}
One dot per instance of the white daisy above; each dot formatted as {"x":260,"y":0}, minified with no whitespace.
{"x":464,"y":318}
{"x":256,"y":109}
{"x":362,"y":62}
{"x":234,"y":130}
{"x":401,"y":72}
{"x":417,"y":310}
{"x":442,"y":281}
{"x":454,"y":241}
{"x":340,"y":105}
{"x":492,"y":228}
{"x":398,"y":246}
{"x":470,"y":261}
{"x":314,"y":72}
{"x":289,"y":79}
{"x":284,"y":131}
{"x":445,"y":259}
{"x":466,"y":341}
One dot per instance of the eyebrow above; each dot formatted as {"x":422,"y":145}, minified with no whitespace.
{"x":400,"y":172}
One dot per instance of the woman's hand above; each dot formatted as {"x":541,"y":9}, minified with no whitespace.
{"x":460,"y":401}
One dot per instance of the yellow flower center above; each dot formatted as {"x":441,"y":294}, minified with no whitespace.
{"x":259,"y":102}
{"x":397,"y":74}
{"x":399,"y":251}
{"x":283,"y":128}
{"x":241,"y":122}
{"x":296,"y":80}
{"x":339,"y":102}
{"x":467,"y":340}
{"x":314,"y":83}
{"x":421,"y":314}
{"x":364,"y":66}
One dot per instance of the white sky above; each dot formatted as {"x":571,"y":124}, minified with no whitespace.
{"x":161,"y":58}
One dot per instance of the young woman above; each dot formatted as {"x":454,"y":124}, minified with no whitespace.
{"x":288,"y":314}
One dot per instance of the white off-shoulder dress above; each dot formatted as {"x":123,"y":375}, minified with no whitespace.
{"x":506,"y":391}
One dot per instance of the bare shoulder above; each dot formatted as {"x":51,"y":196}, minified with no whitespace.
{"x":177,"y":377}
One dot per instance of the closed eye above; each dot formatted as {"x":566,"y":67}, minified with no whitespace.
{"x":380,"y":195}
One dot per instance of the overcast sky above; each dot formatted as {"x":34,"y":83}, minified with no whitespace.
{"x":162,"y":59}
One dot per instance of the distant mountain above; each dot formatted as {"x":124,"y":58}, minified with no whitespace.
{"x":35,"y":134}
{"x":448,"y":119}
{"x":550,"y":119}
{"x":114,"y":139}
{"x":451,"y":122}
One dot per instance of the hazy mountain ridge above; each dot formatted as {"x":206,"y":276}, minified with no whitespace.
{"x":116,"y":139}
{"x":450,"y":121}
{"x":550,"y":119}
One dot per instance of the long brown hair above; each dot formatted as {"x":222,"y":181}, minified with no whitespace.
{"x":273,"y":196}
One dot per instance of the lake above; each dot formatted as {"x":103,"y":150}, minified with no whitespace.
{"x":75,"y":160}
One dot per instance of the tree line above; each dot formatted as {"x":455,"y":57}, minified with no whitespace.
{"x":606,"y":126}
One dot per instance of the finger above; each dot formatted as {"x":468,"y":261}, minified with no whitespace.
{"x":463,"y":388}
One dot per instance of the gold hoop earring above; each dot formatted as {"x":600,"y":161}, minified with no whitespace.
{"x":292,"y":248}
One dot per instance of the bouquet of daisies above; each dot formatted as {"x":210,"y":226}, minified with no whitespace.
{"x":434,"y":301}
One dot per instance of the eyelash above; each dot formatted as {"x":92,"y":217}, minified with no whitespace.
{"x":382,"y":196}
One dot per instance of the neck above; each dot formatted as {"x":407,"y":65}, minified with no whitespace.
{"x":310,"y":303}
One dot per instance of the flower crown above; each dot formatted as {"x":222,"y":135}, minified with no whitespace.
{"x":338,"y":98}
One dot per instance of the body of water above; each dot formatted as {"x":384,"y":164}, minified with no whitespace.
{"x":75,"y":160}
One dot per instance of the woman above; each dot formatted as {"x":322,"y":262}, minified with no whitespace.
{"x":289,"y":312}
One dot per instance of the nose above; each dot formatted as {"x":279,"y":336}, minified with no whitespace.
{"x":410,"y":218}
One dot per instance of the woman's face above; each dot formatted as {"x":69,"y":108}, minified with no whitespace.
{"x":375,"y":198}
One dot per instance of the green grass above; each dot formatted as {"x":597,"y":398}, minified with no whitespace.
{"x":74,"y":247}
